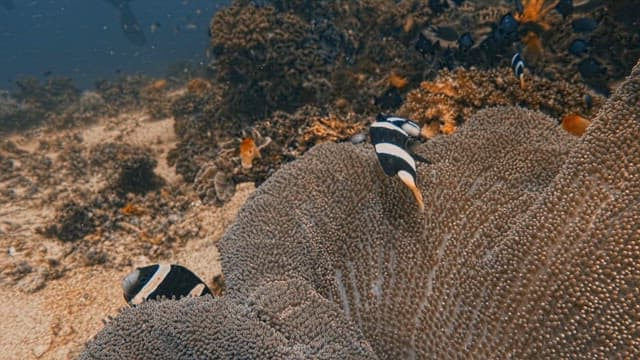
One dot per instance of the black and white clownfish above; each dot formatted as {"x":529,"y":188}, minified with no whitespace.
{"x":390,"y":137}
{"x":162,"y":280}
{"x":518,"y":66}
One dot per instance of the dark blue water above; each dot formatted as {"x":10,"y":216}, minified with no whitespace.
{"x":83,"y":39}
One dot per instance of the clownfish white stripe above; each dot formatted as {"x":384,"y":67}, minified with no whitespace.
{"x":411,"y":128}
{"x":390,"y":126}
{"x":394,"y":119}
{"x":518,"y":65}
{"x":153,"y":283}
{"x":408,"y":126}
{"x":396,"y":151}
{"x":410,"y":182}
{"x":197,"y":290}
{"x":514,"y":58}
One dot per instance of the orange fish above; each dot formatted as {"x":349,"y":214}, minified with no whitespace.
{"x":575,"y":124}
{"x":248,"y":152}
{"x":397,"y":81}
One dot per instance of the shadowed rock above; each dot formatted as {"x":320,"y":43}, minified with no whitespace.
{"x":528,"y":247}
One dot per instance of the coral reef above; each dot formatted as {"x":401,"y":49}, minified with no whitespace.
{"x":272,"y":58}
{"x":55,"y":94}
{"x":34,"y":103}
{"x":530,"y":254}
{"x":599,"y":55}
{"x":124,"y":92}
{"x":269,"y":57}
{"x":440,"y":106}
{"x":443,"y":104}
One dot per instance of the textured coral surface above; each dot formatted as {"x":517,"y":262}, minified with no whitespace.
{"x":528,"y":247}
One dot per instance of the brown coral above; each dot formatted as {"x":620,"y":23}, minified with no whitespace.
{"x":198,"y":85}
{"x":330,"y":128}
{"x":267,"y":56}
{"x":455,"y":95}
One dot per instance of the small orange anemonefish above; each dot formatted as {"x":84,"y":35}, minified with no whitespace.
{"x":248,"y":152}
{"x":575,"y":124}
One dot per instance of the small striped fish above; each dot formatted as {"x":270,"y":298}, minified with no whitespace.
{"x":390,"y":137}
{"x":162,"y":280}
{"x":518,"y":66}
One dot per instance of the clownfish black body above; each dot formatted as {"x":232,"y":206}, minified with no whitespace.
{"x":390,"y":137}
{"x":162,"y":280}
{"x":518,"y":66}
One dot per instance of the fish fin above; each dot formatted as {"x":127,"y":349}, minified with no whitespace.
{"x":410,"y":149}
{"x":410,"y":183}
{"x":421,"y":159}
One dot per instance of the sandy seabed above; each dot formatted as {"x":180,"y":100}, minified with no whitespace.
{"x":55,"y":321}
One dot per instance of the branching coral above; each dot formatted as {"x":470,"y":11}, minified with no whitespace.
{"x":528,"y":247}
{"x":329,"y":128}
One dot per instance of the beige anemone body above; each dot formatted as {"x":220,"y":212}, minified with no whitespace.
{"x":528,"y":247}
